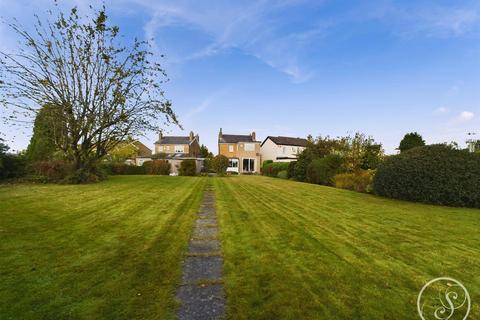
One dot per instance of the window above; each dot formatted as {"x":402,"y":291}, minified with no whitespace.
{"x":160,"y":149}
{"x":248,"y":165}
{"x":249,"y":147}
{"x":167,"y":148}
{"x":230,"y":148}
{"x":233,"y":163}
{"x":179,"y":149}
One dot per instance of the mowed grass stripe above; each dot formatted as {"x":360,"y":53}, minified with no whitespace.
{"x":109,"y":250}
{"x":302,"y":251}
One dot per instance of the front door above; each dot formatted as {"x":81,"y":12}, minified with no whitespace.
{"x":248,"y":165}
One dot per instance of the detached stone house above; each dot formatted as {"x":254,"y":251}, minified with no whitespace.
{"x":186,"y":146}
{"x":242,"y":151}
{"x":143,"y":154}
{"x":175,"y":149}
{"x":282,"y":149}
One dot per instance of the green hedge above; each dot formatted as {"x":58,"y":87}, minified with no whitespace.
{"x":434,"y":174}
{"x":322,"y":171}
{"x":271,"y":169}
{"x":361,"y":181}
{"x":122,"y":169}
{"x":188,"y":168}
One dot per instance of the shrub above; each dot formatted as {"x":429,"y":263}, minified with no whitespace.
{"x":12,"y":166}
{"x":291,"y":169}
{"x":360,"y":181}
{"x":219,"y":164}
{"x":51,"y":171}
{"x":273,"y":168}
{"x":159,"y":167}
{"x":265,"y":164}
{"x":322,"y":171}
{"x":187,"y":168}
{"x":434,"y":174}
{"x":283,"y":174}
{"x":122,"y":168}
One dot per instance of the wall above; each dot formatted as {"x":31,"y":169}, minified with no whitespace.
{"x":239,"y":152}
{"x":270,"y":151}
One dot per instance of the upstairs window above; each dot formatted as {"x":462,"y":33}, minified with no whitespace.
{"x":249,"y":146}
{"x":230,"y":148}
{"x":179,"y":149}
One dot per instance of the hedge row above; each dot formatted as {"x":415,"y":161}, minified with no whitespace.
{"x":434,"y":174}
{"x":271,"y":169}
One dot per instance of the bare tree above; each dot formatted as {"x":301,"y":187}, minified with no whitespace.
{"x":102,"y":91}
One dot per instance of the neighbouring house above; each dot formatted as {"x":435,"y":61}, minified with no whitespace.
{"x":242,"y":151}
{"x":143,"y":154}
{"x":282,"y":149}
{"x":175,"y":149}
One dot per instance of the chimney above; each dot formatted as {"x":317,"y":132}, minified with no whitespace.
{"x":191,"y":136}
{"x":160,"y":135}
{"x":254,"y":136}
{"x":197,"y":137}
{"x":220,"y":134}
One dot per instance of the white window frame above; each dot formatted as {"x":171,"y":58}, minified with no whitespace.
{"x":231,"y":148}
{"x":179,"y":148}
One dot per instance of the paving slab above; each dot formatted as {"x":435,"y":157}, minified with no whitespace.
{"x":204,"y":232}
{"x":197,"y":269}
{"x":206,"y":222}
{"x":201,"y":303}
{"x":203,"y":246}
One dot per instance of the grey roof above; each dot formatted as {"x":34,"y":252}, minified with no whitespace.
{"x":174,"y":140}
{"x":234,"y":138}
{"x":287,"y":141}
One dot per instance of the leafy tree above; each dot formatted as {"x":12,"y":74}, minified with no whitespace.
{"x":46,"y":131}
{"x":3,"y":151}
{"x":411,"y":140}
{"x":219,"y":164}
{"x":360,"y":152}
{"x":123,"y":151}
{"x":204,"y":153}
{"x":103,"y":91}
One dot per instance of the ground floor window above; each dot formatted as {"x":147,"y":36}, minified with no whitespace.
{"x":248,"y":165}
{"x":233,"y":163}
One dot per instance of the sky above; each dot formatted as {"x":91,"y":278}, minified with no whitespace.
{"x":294,"y":68}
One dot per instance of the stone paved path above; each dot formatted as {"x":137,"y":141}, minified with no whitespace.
{"x":201,"y":294}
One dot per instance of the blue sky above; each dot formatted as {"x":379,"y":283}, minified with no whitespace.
{"x":294,"y":67}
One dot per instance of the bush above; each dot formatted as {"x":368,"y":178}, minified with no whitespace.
{"x":360,"y":181}
{"x":219,"y":164}
{"x":272,"y":169}
{"x":122,"y":168}
{"x":291,"y":169}
{"x":187,"y":168}
{"x":51,"y":171}
{"x":322,"y":171}
{"x":12,"y":166}
{"x":159,"y":167}
{"x":434,"y":174}
{"x":283,"y":174}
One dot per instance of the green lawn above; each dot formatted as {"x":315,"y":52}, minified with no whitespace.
{"x":104,"y":251}
{"x":300,"y":251}
{"x":113,"y":250}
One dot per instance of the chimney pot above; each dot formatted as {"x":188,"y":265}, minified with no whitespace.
{"x":254,"y":137}
{"x":191,"y":135}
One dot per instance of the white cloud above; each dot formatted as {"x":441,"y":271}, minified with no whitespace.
{"x":251,"y":27}
{"x":465,"y":116}
{"x":441,"y":110}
